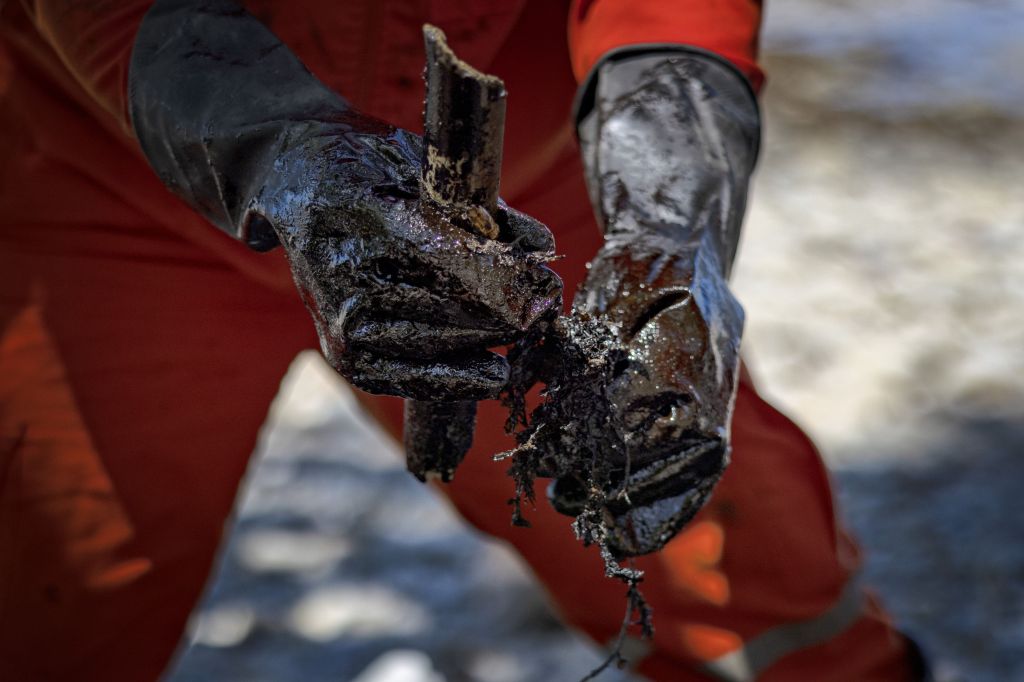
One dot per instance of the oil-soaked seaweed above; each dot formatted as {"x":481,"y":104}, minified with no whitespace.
{"x":573,"y":435}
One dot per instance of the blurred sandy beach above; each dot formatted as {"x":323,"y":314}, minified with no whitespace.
{"x":882,"y":271}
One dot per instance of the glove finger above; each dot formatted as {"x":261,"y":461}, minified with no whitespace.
{"x":411,"y":246}
{"x":499,"y":288}
{"x":475,"y":376}
{"x":461,"y":282}
{"x":646,"y":510}
{"x":662,"y":497}
{"x":528,"y":233}
{"x":426,"y":307}
{"x":414,"y":307}
{"x":495,"y":282}
{"x":415,"y":339}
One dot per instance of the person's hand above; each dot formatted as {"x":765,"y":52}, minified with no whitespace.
{"x":405,"y":301}
{"x":671,"y":398}
{"x":668,"y":145}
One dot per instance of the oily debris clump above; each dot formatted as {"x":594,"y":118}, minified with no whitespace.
{"x":574,"y":429}
{"x":572,"y":437}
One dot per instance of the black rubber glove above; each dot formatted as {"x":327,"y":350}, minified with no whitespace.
{"x":404,"y":299}
{"x":669,"y":140}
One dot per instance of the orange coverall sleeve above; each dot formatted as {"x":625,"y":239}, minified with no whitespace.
{"x":728,"y":28}
{"x":94,"y":41}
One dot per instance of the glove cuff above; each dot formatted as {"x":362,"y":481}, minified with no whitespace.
{"x":669,"y":136}
{"x":583,"y":102}
{"x":213,"y":94}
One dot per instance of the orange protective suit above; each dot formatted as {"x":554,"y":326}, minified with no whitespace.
{"x":140,"y":348}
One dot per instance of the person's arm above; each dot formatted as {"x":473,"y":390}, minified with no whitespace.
{"x":729,"y":29}
{"x":669,"y":133}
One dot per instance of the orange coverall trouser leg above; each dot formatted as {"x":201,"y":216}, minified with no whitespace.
{"x":135,"y":371}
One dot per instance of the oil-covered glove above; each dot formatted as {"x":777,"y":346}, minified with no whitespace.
{"x":669,"y":140}
{"x":404,"y":299}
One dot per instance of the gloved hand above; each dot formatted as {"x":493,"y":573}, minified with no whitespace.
{"x":669,"y":140}
{"x":404,"y":299}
